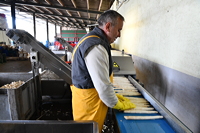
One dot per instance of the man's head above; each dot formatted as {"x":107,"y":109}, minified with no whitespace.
{"x":111,"y":22}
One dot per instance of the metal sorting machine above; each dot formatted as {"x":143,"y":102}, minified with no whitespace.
{"x":149,"y":116}
{"x":19,"y":104}
{"x":124,"y":122}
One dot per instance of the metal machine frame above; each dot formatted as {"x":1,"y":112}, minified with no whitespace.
{"x":45,"y":56}
{"x":177,"y":125}
{"x":50,"y":126}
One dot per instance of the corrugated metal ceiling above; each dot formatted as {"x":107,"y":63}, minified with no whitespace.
{"x":68,"y":13}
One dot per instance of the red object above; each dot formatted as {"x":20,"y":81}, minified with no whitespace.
{"x":60,"y":46}
{"x":73,"y":44}
{"x":68,"y":62}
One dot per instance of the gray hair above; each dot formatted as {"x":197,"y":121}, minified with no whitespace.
{"x":109,"y":16}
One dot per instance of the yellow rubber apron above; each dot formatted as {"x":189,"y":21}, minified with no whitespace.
{"x":86,"y":103}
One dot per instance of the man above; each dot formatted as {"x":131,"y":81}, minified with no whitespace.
{"x":92,"y":90}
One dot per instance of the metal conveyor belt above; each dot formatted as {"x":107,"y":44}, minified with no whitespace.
{"x":42,"y":54}
{"x":131,"y":89}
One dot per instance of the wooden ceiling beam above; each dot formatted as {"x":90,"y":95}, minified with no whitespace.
{"x":56,"y":7}
{"x":36,"y":1}
{"x":61,"y":3}
{"x":28,"y":8}
{"x":48,"y":10}
{"x":88,"y":8}
{"x":58,"y":11}
{"x":74,"y":4}
{"x":99,"y":8}
{"x":47,"y":1}
{"x":38,"y":9}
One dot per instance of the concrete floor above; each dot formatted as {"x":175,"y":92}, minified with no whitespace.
{"x":16,"y":66}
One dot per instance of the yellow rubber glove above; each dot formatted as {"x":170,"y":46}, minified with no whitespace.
{"x":124,"y":105}
{"x":122,"y":98}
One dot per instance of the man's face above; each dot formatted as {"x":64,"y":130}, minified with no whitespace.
{"x":114,"y":31}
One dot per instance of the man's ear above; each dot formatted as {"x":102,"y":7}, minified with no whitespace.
{"x":107,"y":27}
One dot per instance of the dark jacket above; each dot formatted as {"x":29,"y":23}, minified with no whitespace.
{"x":80,"y":75}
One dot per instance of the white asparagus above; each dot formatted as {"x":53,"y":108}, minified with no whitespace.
{"x":141,"y":105}
{"x":143,"y":117}
{"x":121,"y":91}
{"x":140,"y":111}
{"x":136,"y":101}
{"x":121,"y":88}
{"x":145,"y":104}
{"x":142,"y":108}
{"x":117,"y":82}
{"x":139,"y":101}
{"x":134,"y":98}
{"x":125,"y":87}
{"x":130,"y":94}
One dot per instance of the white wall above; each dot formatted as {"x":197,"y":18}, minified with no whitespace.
{"x":165,"y":32}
